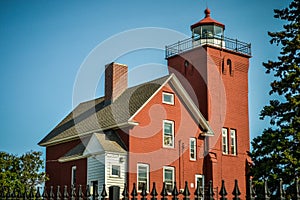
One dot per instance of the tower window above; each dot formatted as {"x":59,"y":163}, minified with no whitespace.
{"x":224,"y":141}
{"x":229,"y":64}
{"x":233,"y":141}
{"x":168,"y":98}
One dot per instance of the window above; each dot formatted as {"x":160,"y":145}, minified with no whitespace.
{"x":232,"y":141}
{"x":168,"y":133}
{"x":73,"y":175}
{"x":199,"y":179}
{"x":168,"y":98}
{"x":115,"y":170}
{"x":224,"y":141}
{"x":169,"y":174}
{"x":192,"y":148}
{"x":142,"y":176}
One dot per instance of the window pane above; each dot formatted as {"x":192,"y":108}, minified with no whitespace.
{"x":168,"y":128}
{"x":168,"y":135}
{"x":142,"y":176}
{"x":169,"y":178}
{"x":224,"y":141}
{"x":168,"y":98}
{"x":115,"y":170}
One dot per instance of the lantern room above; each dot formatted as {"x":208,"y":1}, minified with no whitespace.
{"x":208,"y":27}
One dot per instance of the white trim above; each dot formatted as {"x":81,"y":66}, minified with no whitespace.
{"x":187,"y":99}
{"x":168,"y":94}
{"x":137,"y":177}
{"x":191,"y":105}
{"x":173,"y":174}
{"x":195,"y":149}
{"x":70,"y":158}
{"x":67,"y":139}
{"x":172,"y":136}
{"x":225,"y":143}
{"x":233,"y":142}
{"x":72,"y":175}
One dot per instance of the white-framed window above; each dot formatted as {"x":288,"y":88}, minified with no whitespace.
{"x":115,"y":170}
{"x":73,"y":175}
{"x":142,"y":176}
{"x":168,"y":134}
{"x":168,"y":98}
{"x":224,"y":140}
{"x":233,"y":142}
{"x":199,"y":179}
{"x":193,"y":149}
{"x":169,"y":176}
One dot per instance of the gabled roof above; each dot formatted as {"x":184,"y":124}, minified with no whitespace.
{"x":96,"y":115}
{"x":97,"y":143}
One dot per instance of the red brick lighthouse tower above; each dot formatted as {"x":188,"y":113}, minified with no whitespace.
{"x":214,"y":70}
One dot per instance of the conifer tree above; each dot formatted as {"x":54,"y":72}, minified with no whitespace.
{"x":276,"y":153}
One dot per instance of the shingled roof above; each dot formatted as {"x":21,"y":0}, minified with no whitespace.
{"x":96,"y":115}
{"x":97,"y":143}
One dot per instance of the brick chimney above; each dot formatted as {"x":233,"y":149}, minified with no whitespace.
{"x":115,"y":80}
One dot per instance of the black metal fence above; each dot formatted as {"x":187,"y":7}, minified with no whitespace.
{"x":214,"y":40}
{"x":83,"y":193}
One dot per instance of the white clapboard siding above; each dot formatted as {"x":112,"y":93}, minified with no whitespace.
{"x":96,"y":170}
{"x":115,"y":159}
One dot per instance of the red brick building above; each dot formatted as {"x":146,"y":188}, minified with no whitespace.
{"x":191,"y":125}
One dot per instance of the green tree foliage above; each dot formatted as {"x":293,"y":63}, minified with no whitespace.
{"x":20,"y":172}
{"x":276,"y":153}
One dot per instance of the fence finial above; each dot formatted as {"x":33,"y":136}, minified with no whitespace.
{"x":103,"y":193}
{"x":51,"y":195}
{"x":198,"y":192}
{"x":223,"y":191}
{"x":65,"y":195}
{"x":175,"y":192}
{"x":125,"y":192}
{"x":164,"y":192}
{"x":87,"y":193}
{"x":144,"y":192}
{"x":134,"y":192}
{"x":186,"y":192}
{"x":236,"y":191}
{"x":45,"y":194}
{"x":58,"y":194}
{"x":153,"y":192}
{"x":210,"y":192}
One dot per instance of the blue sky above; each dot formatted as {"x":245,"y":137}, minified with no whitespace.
{"x":44,"y":43}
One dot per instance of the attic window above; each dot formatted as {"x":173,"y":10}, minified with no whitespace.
{"x":168,"y":98}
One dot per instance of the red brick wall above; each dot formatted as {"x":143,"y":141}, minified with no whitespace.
{"x":224,"y":100}
{"x":146,"y":142}
{"x":60,"y":173}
